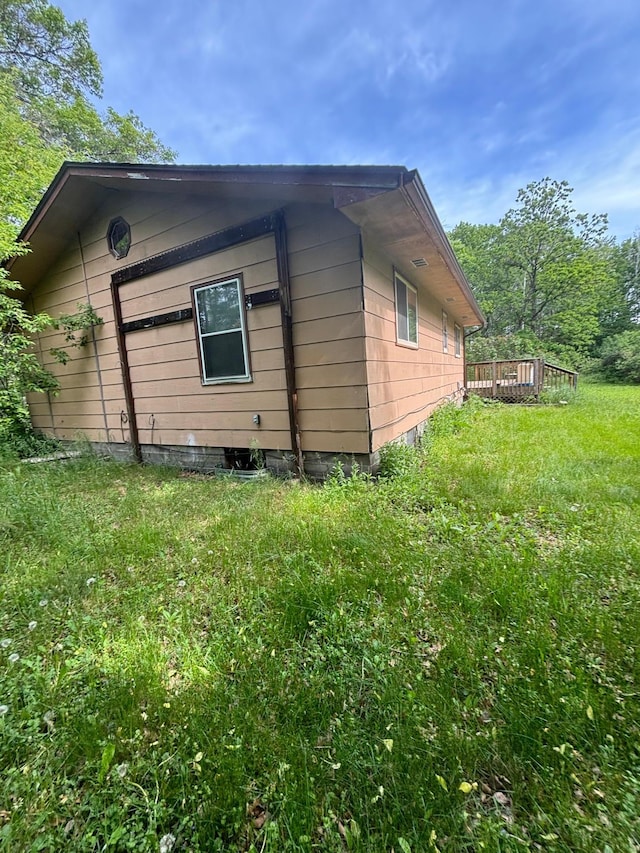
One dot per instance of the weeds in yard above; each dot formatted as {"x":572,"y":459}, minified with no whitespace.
{"x":442,"y":660}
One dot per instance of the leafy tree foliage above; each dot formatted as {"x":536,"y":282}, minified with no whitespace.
{"x":50,"y":81}
{"x":620,"y":357}
{"x":50,"y":55}
{"x":26,"y":166}
{"x":625,"y":309}
{"x":56,"y":76}
{"x":548,"y":278}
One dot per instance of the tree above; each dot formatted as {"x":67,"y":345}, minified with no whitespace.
{"x":544,"y":272}
{"x":620,"y":357}
{"x":478,"y":250}
{"x":56,"y":75}
{"x":20,"y":370}
{"x":50,"y":77}
{"x":26,"y":166}
{"x":557,"y":255}
{"x":624,"y":311}
{"x":50,"y":55}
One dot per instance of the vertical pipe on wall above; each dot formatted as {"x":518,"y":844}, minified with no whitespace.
{"x":282,"y":260}
{"x":95,"y":342}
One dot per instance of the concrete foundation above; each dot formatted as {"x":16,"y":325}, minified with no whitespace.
{"x":209,"y":460}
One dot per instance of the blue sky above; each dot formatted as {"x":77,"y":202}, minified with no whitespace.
{"x":482,"y":98}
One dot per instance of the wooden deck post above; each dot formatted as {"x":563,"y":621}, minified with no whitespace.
{"x":494,"y":379}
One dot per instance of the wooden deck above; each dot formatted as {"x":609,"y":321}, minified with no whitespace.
{"x":518,"y":380}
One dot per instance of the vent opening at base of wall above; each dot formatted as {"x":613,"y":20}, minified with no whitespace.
{"x":420,"y":262}
{"x":244,"y":458}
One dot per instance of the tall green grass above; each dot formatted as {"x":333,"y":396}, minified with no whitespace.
{"x":441,"y":660}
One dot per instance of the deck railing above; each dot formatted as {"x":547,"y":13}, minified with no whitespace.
{"x":517,"y":380}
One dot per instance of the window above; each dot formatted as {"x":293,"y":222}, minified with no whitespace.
{"x":457,"y":335}
{"x":222,"y":337}
{"x":406,"y":312}
{"x":445,"y":333}
{"x":119,"y":237}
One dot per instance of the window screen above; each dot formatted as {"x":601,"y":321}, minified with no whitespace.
{"x":221,"y":331}
{"x":406,"y":312}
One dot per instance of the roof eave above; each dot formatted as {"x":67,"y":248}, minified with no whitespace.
{"x":374,"y":177}
{"x":404,"y":225}
{"x":417,"y":195}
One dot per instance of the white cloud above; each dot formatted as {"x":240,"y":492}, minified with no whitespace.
{"x":482,"y":98}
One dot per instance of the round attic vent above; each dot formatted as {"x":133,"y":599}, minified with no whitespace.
{"x":119,"y":237}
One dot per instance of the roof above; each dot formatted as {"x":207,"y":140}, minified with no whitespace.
{"x":390,"y":203}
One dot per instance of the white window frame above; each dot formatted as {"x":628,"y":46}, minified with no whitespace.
{"x":445,"y":332}
{"x":242,"y":328}
{"x":457,"y":337}
{"x":400,"y":281}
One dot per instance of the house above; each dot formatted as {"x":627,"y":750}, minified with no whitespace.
{"x":308,"y":312}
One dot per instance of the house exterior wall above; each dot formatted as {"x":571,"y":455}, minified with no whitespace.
{"x":91,"y":394}
{"x":405,"y":384}
{"x":173,"y":408}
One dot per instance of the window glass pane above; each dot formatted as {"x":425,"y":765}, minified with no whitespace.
{"x":401,"y":311}
{"x":223,"y":356}
{"x":412,"y":316}
{"x":218,"y":308}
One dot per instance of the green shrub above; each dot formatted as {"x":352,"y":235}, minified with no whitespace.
{"x":396,"y":459}
{"x":19,"y":441}
{"x":620,"y":357}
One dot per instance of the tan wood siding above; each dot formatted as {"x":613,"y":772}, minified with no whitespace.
{"x":326,"y":289}
{"x":405,"y":383}
{"x":77,"y":410}
{"x":328,"y":329}
{"x":165,"y":370}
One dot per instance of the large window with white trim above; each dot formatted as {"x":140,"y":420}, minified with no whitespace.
{"x":406,"y":312}
{"x":222,"y":335}
{"x":445,"y":332}
{"x":457,"y":336}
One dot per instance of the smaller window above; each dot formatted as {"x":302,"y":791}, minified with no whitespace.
{"x":457,"y":335}
{"x":222,"y":336}
{"x":445,"y":333}
{"x":406,"y":312}
{"x":119,"y":237}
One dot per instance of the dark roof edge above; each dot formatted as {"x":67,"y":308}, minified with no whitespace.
{"x":416,"y":192}
{"x":386,"y":177}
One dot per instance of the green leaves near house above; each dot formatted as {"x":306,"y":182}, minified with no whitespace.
{"x":50,"y":83}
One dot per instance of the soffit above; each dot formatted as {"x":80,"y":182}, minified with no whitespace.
{"x":398,"y":223}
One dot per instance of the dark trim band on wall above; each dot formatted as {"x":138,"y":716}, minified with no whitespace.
{"x":197,"y":248}
{"x":264,"y":297}
{"x":158,"y":320}
{"x":126,"y":372}
{"x":273,"y":223}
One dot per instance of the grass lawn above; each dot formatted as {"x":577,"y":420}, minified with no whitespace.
{"x":444,"y":660}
